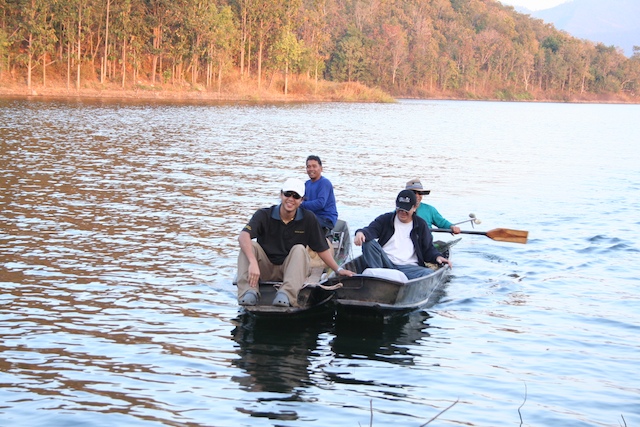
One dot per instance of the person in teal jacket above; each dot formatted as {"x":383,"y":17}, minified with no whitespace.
{"x":428,"y":212}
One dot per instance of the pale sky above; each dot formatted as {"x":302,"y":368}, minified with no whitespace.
{"x":534,"y":4}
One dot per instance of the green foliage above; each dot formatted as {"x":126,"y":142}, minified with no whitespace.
{"x":4,"y":43}
{"x":552,"y":43}
{"x":348,"y":63}
{"x":287,"y":52}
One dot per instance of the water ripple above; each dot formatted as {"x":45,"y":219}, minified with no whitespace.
{"x":118,"y":232}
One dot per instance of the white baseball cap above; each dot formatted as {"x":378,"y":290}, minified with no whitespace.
{"x":293,"y":184}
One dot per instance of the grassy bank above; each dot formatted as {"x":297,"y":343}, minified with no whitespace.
{"x":298,"y":90}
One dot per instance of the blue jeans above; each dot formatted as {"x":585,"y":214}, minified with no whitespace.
{"x":375,"y":257}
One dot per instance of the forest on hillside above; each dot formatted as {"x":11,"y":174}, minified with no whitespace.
{"x":418,"y":48}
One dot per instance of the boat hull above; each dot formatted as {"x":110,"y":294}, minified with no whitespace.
{"x":312,"y":300}
{"x":365,"y":294}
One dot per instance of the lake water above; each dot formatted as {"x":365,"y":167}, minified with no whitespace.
{"x":118,"y":249}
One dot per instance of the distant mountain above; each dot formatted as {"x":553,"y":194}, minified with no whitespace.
{"x":612,"y":22}
{"x":523,"y":10}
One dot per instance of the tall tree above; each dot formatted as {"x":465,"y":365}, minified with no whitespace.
{"x":81,"y":16}
{"x":316,"y":35}
{"x":268,"y":17}
{"x":38,"y":35}
{"x":105,"y":54}
{"x":158,"y":12}
{"x":224,"y":39}
{"x":287,"y":52}
{"x":348,"y":61}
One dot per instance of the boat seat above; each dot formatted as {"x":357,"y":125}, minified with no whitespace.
{"x":315,"y":260}
{"x":386,"y":273}
{"x":337,"y":240}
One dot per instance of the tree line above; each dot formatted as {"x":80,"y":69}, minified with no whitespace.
{"x":473,"y":48}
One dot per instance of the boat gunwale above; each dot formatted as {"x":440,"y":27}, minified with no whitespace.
{"x":345,"y":304}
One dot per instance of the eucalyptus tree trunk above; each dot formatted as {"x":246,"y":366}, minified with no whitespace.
{"x":69,"y":48}
{"x":44,"y":69}
{"x":157,"y":37}
{"x":78,"y":52}
{"x":286,"y":78}
{"x":124,"y":61}
{"x":105,"y":56}
{"x":260,"y":46}
{"x":243,"y":40}
{"x":30,"y":61}
{"x":220,"y":77}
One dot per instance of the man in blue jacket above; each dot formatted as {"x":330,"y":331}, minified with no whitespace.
{"x":400,"y":240}
{"x":318,"y":195}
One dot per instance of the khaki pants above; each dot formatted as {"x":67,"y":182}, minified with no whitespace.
{"x":293,"y":272}
{"x":316,"y":261}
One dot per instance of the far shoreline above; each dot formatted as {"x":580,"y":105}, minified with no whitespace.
{"x":330,"y":92}
{"x":239,"y":92}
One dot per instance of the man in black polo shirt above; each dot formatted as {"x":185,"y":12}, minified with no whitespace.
{"x":283,"y":233}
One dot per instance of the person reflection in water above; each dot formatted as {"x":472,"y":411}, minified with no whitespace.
{"x":282,"y":234}
{"x":274,"y":362}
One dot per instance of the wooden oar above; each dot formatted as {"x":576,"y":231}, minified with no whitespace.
{"x":500,"y":234}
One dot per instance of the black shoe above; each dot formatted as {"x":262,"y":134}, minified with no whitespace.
{"x":281,"y":300}
{"x":249,"y":298}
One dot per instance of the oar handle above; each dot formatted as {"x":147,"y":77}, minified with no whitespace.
{"x":448,"y":230}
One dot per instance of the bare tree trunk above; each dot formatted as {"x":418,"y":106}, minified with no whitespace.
{"x":103,"y":70}
{"x":209,"y":72}
{"x":124,"y":62}
{"x":134,"y":75}
{"x":244,"y":41}
{"x":157,"y":35}
{"x":286,"y":78}
{"x":315,"y":89}
{"x":154,"y":65}
{"x":249,"y":57}
{"x":44,"y":69}
{"x":78,"y":53}
{"x":271,"y":80}
{"x":260,"y":64}
{"x":220,"y":77}
{"x":69,"y":65}
{"x":29,"y":66}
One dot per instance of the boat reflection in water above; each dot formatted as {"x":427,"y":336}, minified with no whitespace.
{"x":275,"y":357}
{"x":381,"y":339}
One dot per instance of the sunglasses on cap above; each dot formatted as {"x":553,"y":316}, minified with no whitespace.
{"x":291,"y":194}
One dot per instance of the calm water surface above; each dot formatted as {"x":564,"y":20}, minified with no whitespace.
{"x":118,"y":248}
